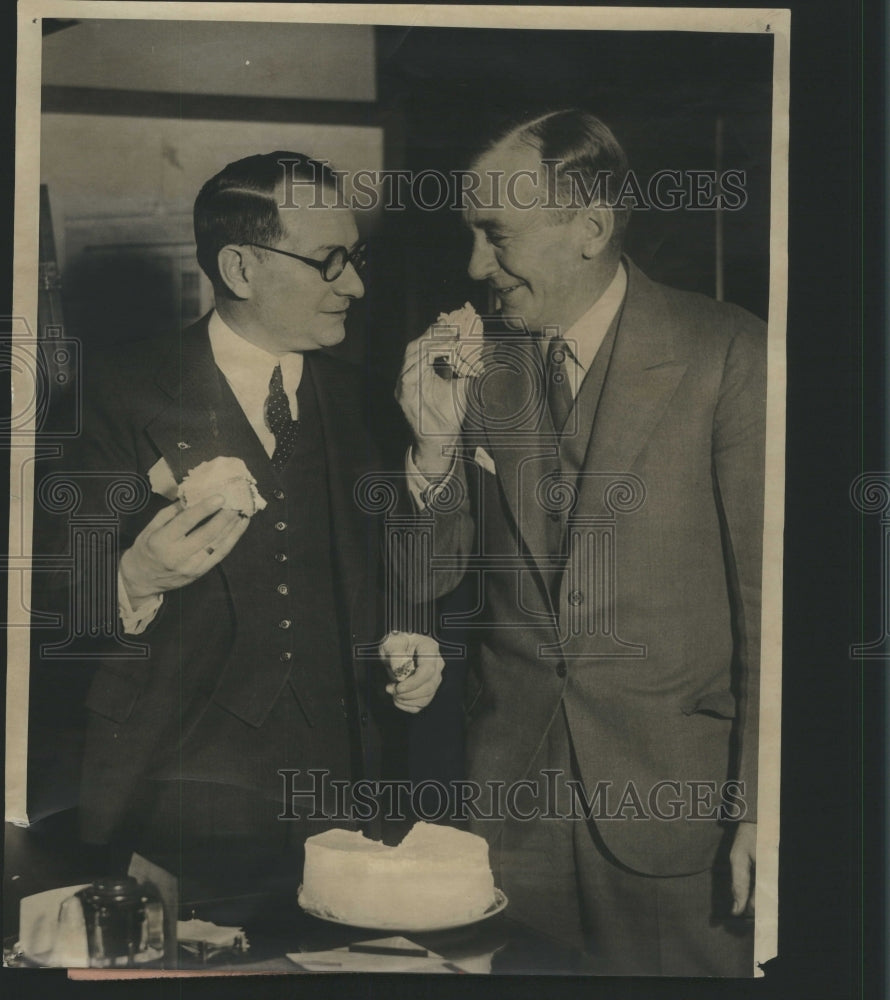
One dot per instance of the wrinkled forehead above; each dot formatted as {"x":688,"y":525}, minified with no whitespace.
{"x":314,"y":216}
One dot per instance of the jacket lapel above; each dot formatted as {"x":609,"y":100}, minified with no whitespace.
{"x":202,"y":420}
{"x":642,"y":378}
{"x":342,"y":422}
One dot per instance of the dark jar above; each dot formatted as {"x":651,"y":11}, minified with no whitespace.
{"x":124,"y":923}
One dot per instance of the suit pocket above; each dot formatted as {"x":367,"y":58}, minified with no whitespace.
{"x":721,"y":704}
{"x":112,"y":695}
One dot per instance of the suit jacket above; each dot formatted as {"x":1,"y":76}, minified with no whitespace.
{"x":644,"y":622}
{"x":162,"y":400}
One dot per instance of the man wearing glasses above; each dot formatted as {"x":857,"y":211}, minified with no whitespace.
{"x":249,"y":621}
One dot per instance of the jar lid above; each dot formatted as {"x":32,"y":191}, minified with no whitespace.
{"x":112,"y":889}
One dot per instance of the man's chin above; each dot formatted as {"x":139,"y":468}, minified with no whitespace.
{"x":331,"y":335}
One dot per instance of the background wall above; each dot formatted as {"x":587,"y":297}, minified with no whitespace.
{"x":333,"y":62}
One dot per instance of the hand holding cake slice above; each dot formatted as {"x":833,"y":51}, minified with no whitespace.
{"x":463,"y":359}
{"x":227,"y":476}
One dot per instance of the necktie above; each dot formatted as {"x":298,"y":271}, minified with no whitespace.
{"x":559,"y":392}
{"x":280,"y":423}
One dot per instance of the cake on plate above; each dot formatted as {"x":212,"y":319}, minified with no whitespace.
{"x":436,"y":877}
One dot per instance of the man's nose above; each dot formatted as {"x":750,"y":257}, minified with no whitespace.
{"x":349,"y":283}
{"x":483,"y":263}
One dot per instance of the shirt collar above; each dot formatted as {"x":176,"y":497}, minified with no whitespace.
{"x":248,"y":368}
{"x":587,"y":333}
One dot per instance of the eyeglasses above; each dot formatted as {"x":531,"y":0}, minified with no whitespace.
{"x":333,"y":265}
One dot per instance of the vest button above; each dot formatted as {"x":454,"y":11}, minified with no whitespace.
{"x":285,"y":623}
{"x":283,"y":589}
{"x":278,"y":494}
{"x":576,"y":598}
{"x":285,"y":657}
{"x":280,"y":525}
{"x":364,"y":718}
{"x":280,"y":557}
{"x":561,"y":670}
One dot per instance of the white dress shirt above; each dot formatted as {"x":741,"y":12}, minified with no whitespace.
{"x":248,"y":371}
{"x":586,"y":335}
{"x":583,"y":338}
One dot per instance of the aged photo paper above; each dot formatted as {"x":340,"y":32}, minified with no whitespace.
{"x":529,"y":560}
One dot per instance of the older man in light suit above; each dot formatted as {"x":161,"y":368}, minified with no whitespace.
{"x":619,"y":631}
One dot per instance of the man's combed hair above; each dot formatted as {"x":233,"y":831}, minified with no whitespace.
{"x":240,"y":203}
{"x":590,"y":163}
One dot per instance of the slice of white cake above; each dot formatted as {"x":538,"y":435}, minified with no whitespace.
{"x":436,"y":877}
{"x":228,"y":477}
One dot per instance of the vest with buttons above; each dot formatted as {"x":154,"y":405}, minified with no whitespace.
{"x":575,"y":439}
{"x":290,"y":641}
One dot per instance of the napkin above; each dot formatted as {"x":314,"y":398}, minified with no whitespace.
{"x":52,"y":931}
{"x":206,"y":940}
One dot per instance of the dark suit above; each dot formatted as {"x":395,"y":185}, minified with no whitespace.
{"x":650,"y":675}
{"x":250,"y":667}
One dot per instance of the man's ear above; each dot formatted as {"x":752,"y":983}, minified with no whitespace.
{"x":235,"y":269}
{"x":599,"y":225}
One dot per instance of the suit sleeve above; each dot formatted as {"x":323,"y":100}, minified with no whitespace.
{"x":105,"y":450}
{"x":739,"y":436}
{"x":447,"y":520}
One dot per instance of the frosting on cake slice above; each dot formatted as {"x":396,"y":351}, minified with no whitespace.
{"x":227,"y":476}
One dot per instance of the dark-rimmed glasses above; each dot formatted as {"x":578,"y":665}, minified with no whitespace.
{"x":333,"y":265}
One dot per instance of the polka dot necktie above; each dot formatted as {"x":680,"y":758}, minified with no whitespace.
{"x":279,"y":420}
{"x":559,"y":393}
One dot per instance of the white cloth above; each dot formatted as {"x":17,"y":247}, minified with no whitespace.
{"x":248,"y":370}
{"x":583,"y":338}
{"x":136,"y":620}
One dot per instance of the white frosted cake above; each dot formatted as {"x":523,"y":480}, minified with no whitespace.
{"x":436,"y":877}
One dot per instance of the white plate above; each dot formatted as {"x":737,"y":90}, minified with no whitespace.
{"x":500,"y":901}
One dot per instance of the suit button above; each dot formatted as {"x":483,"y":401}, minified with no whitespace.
{"x":278,"y":494}
{"x":554,"y":516}
{"x":364,"y":718}
{"x":561,"y":670}
{"x":283,"y":589}
{"x":285,"y":623}
{"x":280,"y":525}
{"x":576,"y":598}
{"x":285,"y":657}
{"x":280,"y":557}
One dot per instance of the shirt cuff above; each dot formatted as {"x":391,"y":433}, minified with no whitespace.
{"x":136,"y":620}
{"x":423,"y":490}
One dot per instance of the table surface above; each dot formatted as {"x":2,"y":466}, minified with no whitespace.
{"x":499,"y":944}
